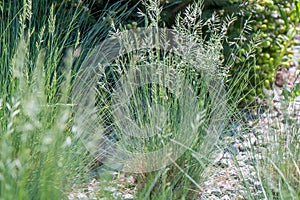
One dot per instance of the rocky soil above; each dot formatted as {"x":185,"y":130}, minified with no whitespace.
{"x":234,"y":168}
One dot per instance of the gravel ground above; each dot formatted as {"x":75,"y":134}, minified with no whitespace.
{"x":233,"y":169}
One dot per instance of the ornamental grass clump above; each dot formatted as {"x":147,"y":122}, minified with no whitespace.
{"x":39,"y":156}
{"x":152,"y":101}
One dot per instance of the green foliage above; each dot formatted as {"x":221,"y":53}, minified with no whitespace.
{"x":38,"y":153}
{"x":43,"y":44}
{"x":40,"y":158}
{"x":275,"y":24}
{"x":279,"y":169}
{"x":181,"y":178}
{"x":277,"y":162}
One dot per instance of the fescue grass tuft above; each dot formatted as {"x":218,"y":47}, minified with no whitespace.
{"x":39,"y":156}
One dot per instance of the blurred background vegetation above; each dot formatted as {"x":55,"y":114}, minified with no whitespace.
{"x":273,"y":21}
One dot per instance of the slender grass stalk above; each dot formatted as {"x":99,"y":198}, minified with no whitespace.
{"x":199,"y":64}
{"x":40,"y":158}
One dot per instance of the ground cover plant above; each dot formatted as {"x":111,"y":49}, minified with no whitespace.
{"x":44,"y":55}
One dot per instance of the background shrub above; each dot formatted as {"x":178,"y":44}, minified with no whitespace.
{"x":273,"y":21}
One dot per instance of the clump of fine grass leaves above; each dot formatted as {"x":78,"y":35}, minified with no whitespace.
{"x":146,"y":92}
{"x":278,"y":168}
{"x":39,"y":157}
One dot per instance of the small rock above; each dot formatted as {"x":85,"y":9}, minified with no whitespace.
{"x":81,"y":196}
{"x":226,"y":197}
{"x":111,"y":189}
{"x":130,"y":180}
{"x":218,"y":158}
{"x":117,"y":195}
{"x":224,"y":163}
{"x":279,"y":78}
{"x":128,"y":196}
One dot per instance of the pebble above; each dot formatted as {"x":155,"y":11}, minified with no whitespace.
{"x":226,"y":197}
{"x":127,"y":196}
